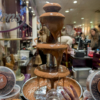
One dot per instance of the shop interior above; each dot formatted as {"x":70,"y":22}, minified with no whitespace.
{"x":49,"y":49}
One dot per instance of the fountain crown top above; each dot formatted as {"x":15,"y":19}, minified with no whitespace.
{"x":52,"y":7}
{"x":52,"y":19}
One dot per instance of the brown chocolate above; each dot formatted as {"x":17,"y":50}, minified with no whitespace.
{"x":31,"y":86}
{"x":52,"y":14}
{"x":58,"y":74}
{"x":54,"y":49}
{"x":51,"y":46}
{"x":52,"y":7}
{"x":53,"y":22}
{"x":3,"y":81}
{"x":98,"y":86}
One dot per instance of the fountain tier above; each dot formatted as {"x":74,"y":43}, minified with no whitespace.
{"x":52,"y":7}
{"x":62,"y":72}
{"x":54,"y":22}
{"x":54,"y":49}
{"x":32,"y":85}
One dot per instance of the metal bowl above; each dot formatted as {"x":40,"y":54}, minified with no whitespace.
{"x":41,"y":87}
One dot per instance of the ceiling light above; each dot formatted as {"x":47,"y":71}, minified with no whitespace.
{"x":67,"y":11}
{"x":27,"y":1}
{"x":91,"y":22}
{"x":82,"y":18}
{"x":74,"y":21}
{"x":47,"y":2}
{"x":30,"y":7}
{"x":32,"y":11}
{"x":71,"y":9}
{"x":75,"y":2}
{"x":33,"y":14}
{"x":82,"y":24}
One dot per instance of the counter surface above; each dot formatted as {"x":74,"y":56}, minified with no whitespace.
{"x":85,"y":57}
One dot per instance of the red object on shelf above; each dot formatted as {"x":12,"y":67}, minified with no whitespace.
{"x":78,"y":30}
{"x":91,"y":52}
{"x":23,"y":33}
{"x":90,"y":55}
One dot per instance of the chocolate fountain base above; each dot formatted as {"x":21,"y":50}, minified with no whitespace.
{"x":48,"y":73}
{"x":32,"y":85}
{"x":40,"y":94}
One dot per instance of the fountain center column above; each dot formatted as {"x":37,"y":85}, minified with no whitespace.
{"x":51,"y":60}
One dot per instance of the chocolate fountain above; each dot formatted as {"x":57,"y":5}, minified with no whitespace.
{"x":52,"y":75}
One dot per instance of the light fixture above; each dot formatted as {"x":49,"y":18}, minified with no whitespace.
{"x":91,"y":22}
{"x":47,"y":2}
{"x":67,"y":11}
{"x":71,"y":9}
{"x":82,"y":18}
{"x":33,"y":14}
{"x":27,"y":1}
{"x":74,"y":21}
{"x":30,"y":7}
{"x":32,"y":11}
{"x":75,"y":1}
{"x":82,"y":24}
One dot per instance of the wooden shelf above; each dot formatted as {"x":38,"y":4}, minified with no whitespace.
{"x":10,"y":39}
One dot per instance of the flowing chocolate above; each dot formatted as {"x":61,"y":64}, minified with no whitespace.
{"x":54,"y":22}
{"x":54,"y":49}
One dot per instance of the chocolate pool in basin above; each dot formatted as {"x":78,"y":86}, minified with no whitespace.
{"x":50,"y":77}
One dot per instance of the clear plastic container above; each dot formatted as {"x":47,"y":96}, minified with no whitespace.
{"x":93,"y":85}
{"x":15,"y":94}
{"x":24,"y":53}
{"x":7,"y":81}
{"x":87,"y":94}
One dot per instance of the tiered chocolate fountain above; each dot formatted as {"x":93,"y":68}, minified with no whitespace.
{"x":52,"y":75}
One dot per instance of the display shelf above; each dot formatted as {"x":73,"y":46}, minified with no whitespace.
{"x":10,"y":39}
